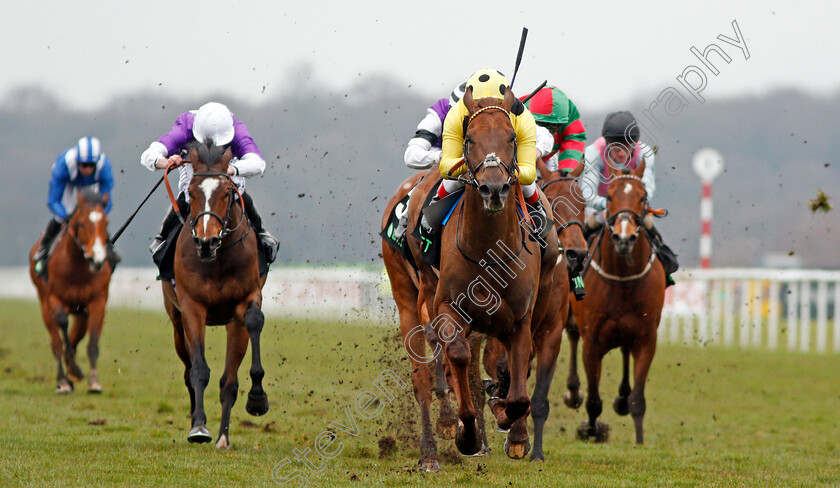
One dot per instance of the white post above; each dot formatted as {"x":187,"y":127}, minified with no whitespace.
{"x":757,"y":304}
{"x":714,"y":312}
{"x":792,"y":320}
{"x":837,"y":316}
{"x":822,"y":315}
{"x":744,"y":329}
{"x":805,"y":316}
{"x":773,"y":318}
{"x":729,"y":312}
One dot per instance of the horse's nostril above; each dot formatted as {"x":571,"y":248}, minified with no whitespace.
{"x":505,"y":190}
{"x":484,"y":191}
{"x":571,"y":255}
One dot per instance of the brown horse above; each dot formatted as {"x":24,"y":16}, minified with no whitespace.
{"x":490,"y":269}
{"x":218,"y":283}
{"x":623,"y":304}
{"x":77,"y":282}
{"x":427,"y":372}
{"x":552,"y":309}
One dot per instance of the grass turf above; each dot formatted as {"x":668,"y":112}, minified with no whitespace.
{"x":715,"y":417}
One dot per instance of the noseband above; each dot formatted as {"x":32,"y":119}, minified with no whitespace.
{"x":489,"y":161}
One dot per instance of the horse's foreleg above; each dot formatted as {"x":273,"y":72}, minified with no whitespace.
{"x":447,"y":417}
{"x":642,"y":358}
{"x":458,"y":356}
{"x":55,"y":319}
{"x":194,"y":319}
{"x":572,"y":398}
{"x":592,"y":357}
{"x":548,"y":348}
{"x":257,"y":403}
{"x":78,"y":329}
{"x":517,"y":401}
{"x":237,"y":346}
{"x":95,"y":320}
{"x":477,"y":387}
{"x":422,"y":379}
{"x":620,"y":404}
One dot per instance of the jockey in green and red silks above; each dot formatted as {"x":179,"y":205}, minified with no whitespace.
{"x":561,"y":137}
{"x":212,"y":122}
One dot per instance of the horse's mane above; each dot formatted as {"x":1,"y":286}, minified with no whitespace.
{"x":92,"y":196}
{"x":209,"y":153}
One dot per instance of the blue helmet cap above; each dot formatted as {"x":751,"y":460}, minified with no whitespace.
{"x":88,"y":150}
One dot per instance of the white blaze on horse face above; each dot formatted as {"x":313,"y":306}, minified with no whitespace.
{"x":208,"y":186}
{"x":95,"y":216}
{"x":628,"y":188}
{"x":491,"y":160}
{"x":98,"y":251}
{"x":623,"y":233}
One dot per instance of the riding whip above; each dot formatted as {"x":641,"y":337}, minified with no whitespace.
{"x":519,"y":55}
{"x":128,"y":221}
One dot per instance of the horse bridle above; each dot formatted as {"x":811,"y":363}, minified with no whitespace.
{"x":226,"y":220}
{"x":562,"y":227}
{"x":73,"y":231}
{"x":511,"y":170}
{"x":636,"y":217}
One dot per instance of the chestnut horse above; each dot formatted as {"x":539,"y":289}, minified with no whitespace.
{"x":623,"y":304}
{"x":78,"y":275}
{"x":217,"y":282}
{"x":427,"y":372}
{"x":547,"y":332}
{"x":490,"y":269}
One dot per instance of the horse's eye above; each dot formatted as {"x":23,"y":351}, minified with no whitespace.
{"x":512,"y":139}
{"x":468,"y":140}
{"x":609,"y":198}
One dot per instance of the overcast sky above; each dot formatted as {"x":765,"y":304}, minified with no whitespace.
{"x":600,"y":53}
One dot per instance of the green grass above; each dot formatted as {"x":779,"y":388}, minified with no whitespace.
{"x":716,"y":417}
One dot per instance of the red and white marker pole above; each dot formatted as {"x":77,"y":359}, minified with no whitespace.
{"x":707,"y":163}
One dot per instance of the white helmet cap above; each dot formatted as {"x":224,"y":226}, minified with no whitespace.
{"x":88,"y":150}
{"x":213,"y":122}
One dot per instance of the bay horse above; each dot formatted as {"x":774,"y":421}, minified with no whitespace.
{"x":549,"y":321}
{"x":217,"y":282}
{"x":77,"y":279}
{"x":427,"y":372}
{"x":484,"y":241}
{"x":623,"y":303}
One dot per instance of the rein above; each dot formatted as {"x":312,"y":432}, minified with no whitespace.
{"x":638,"y":219}
{"x":224,"y":221}
{"x":562,"y":227}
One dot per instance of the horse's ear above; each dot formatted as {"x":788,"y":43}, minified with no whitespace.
{"x":542,"y":168}
{"x":509,"y":100}
{"x":469,"y":102}
{"x":640,"y":169}
{"x":224,"y":161}
{"x":578,"y":170}
{"x":80,"y":198}
{"x":105,"y":199}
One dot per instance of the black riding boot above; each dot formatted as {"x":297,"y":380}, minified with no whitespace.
{"x":40,"y":257}
{"x":542,"y":226}
{"x":169,"y":222}
{"x":268,"y":243}
{"x":665,"y":254}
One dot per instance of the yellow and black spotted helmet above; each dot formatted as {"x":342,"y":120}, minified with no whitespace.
{"x":488,"y":82}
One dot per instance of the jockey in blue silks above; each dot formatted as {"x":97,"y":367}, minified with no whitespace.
{"x":78,"y":167}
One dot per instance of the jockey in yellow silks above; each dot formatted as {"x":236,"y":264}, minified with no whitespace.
{"x":490,"y":83}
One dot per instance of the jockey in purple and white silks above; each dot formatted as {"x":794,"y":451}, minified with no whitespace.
{"x":212,"y":122}
{"x":81,"y":166}
{"x":423,"y":149}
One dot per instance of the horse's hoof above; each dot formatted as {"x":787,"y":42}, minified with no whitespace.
{"x":517,"y":450}
{"x":467,"y":446}
{"x":537,"y":456}
{"x":94,"y":388}
{"x":446,"y":429}
{"x":199,"y":435}
{"x":74,"y":373}
{"x":573,"y":400}
{"x":601,"y":432}
{"x":257,"y":404}
{"x":64,"y":387}
{"x":621,"y":405}
{"x":223,"y":443}
{"x":428,"y":465}
{"x":501,"y":430}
